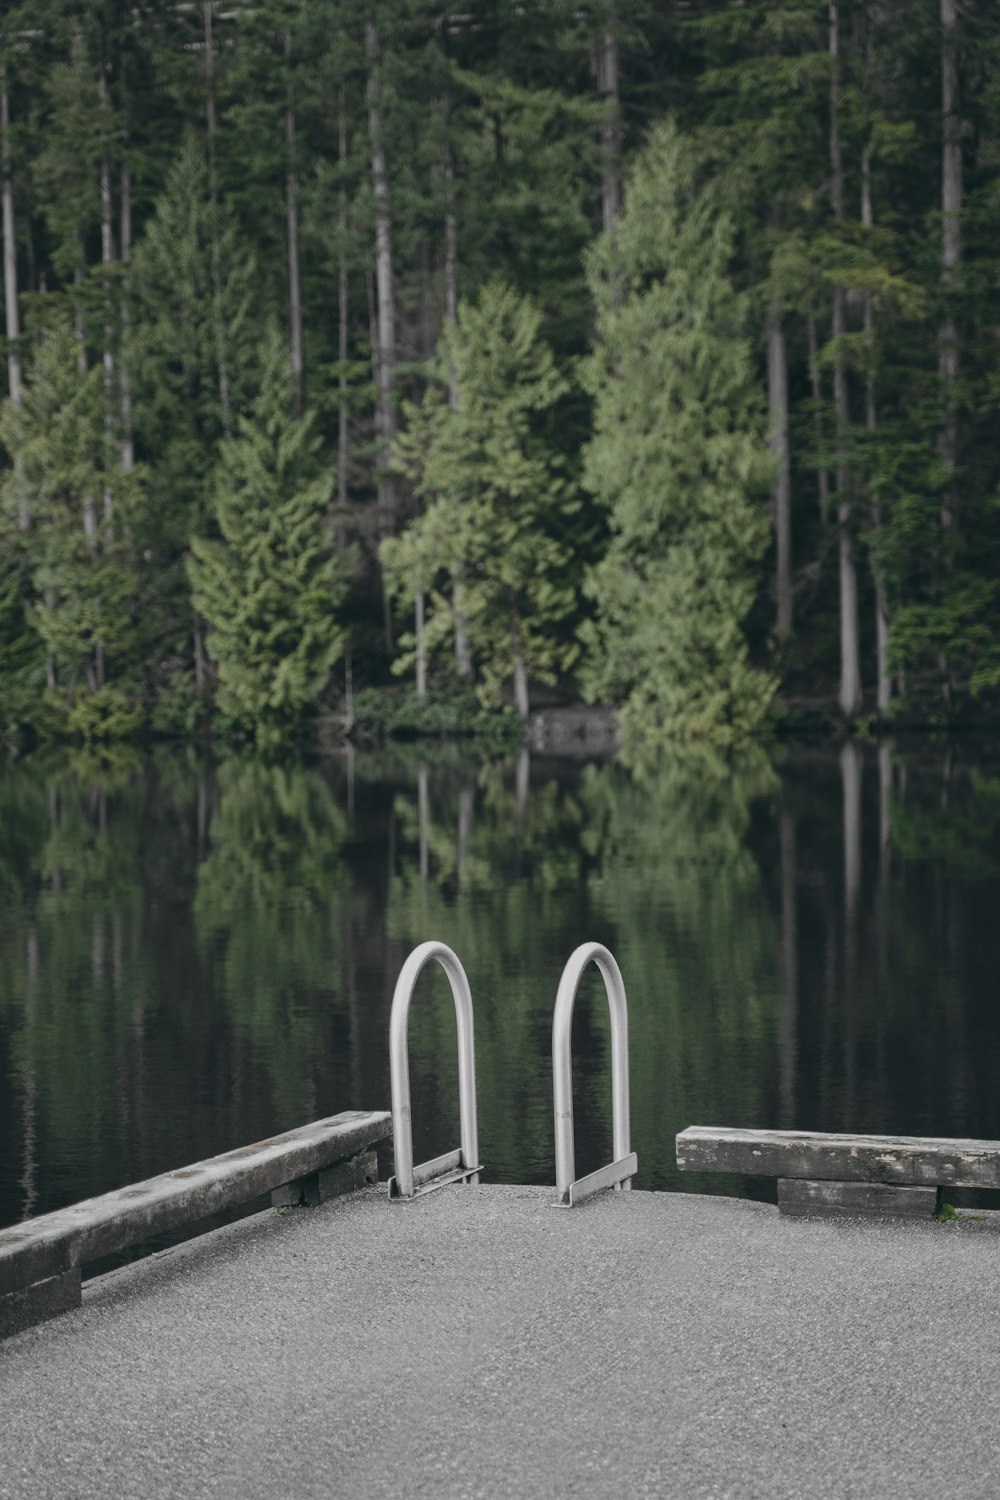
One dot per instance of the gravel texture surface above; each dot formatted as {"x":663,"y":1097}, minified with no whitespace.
{"x":480,"y":1342}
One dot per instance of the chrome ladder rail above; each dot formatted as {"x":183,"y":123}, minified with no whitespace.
{"x":455,"y":1166}
{"x":618,"y":1172}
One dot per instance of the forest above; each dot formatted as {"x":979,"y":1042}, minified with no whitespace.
{"x":374,"y":364}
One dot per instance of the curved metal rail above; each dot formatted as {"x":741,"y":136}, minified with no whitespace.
{"x":455,"y":1166}
{"x":618,"y":1172}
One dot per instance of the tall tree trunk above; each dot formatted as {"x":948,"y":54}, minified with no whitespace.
{"x":12,"y":309}
{"x":611,"y":130}
{"x":107,"y":259}
{"x":292,"y":220}
{"x":883,"y":675}
{"x":850,"y":653}
{"x":777,"y":396}
{"x":463,"y":656}
{"x":225,"y":401}
{"x":951,"y":246}
{"x":822,"y":475}
{"x":951,"y":255}
{"x":343,"y":434}
{"x":385,"y":371}
{"x":124,"y":375}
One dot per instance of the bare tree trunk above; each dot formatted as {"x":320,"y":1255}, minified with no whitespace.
{"x":124,"y":379}
{"x":463,"y":656}
{"x":343,"y":436}
{"x":385,"y":373}
{"x":850,"y":656}
{"x":951,"y":255}
{"x":822,"y":476}
{"x":9,"y":252}
{"x":951,"y":248}
{"x":777,"y":396}
{"x":883,"y":675}
{"x":107,"y":258}
{"x":292,"y":219}
{"x":611,"y":130}
{"x":225,"y":402}
{"x":14,"y":386}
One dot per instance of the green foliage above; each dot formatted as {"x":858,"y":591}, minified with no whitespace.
{"x":269,"y":587}
{"x":448,"y":711}
{"x":499,"y":504}
{"x":679,"y":459}
{"x":86,"y":514}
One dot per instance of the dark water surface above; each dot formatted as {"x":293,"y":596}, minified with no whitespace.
{"x":193,"y":958}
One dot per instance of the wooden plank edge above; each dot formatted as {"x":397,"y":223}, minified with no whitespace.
{"x":54,"y":1243}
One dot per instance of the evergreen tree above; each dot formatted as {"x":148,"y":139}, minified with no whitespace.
{"x":269,"y":586}
{"x":85,"y":584}
{"x":499,"y":505}
{"x":679,"y":458}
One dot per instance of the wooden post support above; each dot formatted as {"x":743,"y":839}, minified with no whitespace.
{"x":319,"y":1187}
{"x":799,"y":1196}
{"x":39,"y":1301}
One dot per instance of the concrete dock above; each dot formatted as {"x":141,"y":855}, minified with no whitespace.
{"x":481,"y":1342}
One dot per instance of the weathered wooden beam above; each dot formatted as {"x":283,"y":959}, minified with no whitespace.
{"x":39,"y":1302}
{"x":55,"y":1243}
{"x":320,"y":1187}
{"x":892,"y":1159}
{"x":798,"y":1196}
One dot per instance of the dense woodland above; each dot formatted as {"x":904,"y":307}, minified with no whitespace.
{"x":645,"y":348}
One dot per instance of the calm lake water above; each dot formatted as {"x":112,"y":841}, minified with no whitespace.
{"x":194,"y":957}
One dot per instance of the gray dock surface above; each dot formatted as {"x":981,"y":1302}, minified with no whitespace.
{"x":479,"y":1342}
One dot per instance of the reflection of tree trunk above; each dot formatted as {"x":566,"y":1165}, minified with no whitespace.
{"x":884,"y":856}
{"x":884,"y":806}
{"x":790,"y":969}
{"x":423,"y":817}
{"x":522,"y":780}
{"x":850,"y":774}
{"x":777,"y":393}
{"x":97,"y":950}
{"x":850,"y":777}
{"x":465,"y":809}
{"x":421,"y":645}
{"x":29,"y":1085}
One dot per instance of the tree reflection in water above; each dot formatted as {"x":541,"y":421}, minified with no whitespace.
{"x":193,"y":957}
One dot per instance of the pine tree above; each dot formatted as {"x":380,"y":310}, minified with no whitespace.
{"x":269,"y":585}
{"x":85,"y":587}
{"x":499,"y":503}
{"x":679,"y":459}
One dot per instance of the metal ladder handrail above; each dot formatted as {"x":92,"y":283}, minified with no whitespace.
{"x":455,"y":1166}
{"x":618,"y":1172}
